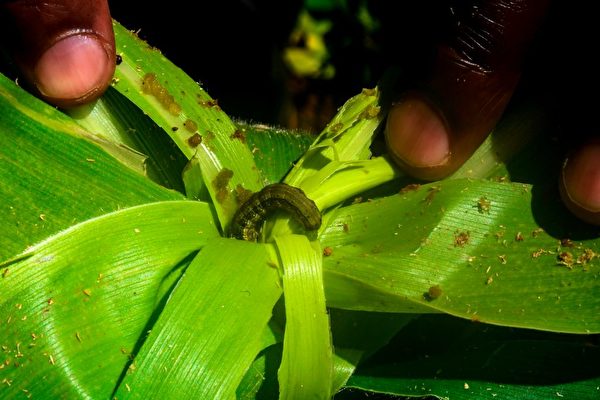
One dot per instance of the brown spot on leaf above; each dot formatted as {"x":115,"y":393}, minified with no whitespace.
{"x":369,"y":92}
{"x":239,"y":134}
{"x":566,"y":258}
{"x":209,"y":103}
{"x":519,"y":237}
{"x":242,"y":194}
{"x":536,"y":232}
{"x":461,"y":238}
{"x":151,"y":86}
{"x":587,"y":256}
{"x":538,"y":253}
{"x":410,"y":188}
{"x":566,"y":242}
{"x":335,"y":128}
{"x":370,"y":112}
{"x":190,"y":125}
{"x":220,"y":183}
{"x":483,"y":205}
{"x":195,"y":140}
{"x":431,"y":192}
{"x":433,"y":293}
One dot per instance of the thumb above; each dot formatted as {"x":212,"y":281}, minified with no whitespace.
{"x":64,"y":48}
{"x":432,"y":132}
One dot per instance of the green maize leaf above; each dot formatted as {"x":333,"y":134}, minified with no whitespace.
{"x":120,"y":121}
{"x":192,"y":119}
{"x":306,"y":367}
{"x":211,"y":328}
{"x":54,"y":174}
{"x":75,"y":309}
{"x":355,"y":334}
{"x":449,"y":358}
{"x":469,"y":248}
{"x":338,"y":164}
{"x":74,"y":306}
{"x":347,"y":179}
{"x":261,"y":377}
{"x":255,"y":378}
{"x":522,"y":123}
{"x":260,"y":382}
{"x":16,"y":100}
{"x":351,"y":179}
{"x":275,"y":150}
{"x":346,"y":138}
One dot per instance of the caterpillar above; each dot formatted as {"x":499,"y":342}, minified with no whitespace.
{"x":249,"y":218}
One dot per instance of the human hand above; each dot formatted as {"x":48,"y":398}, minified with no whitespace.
{"x":431,"y":134}
{"x":65,"y":49}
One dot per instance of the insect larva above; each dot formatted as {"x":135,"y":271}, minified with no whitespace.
{"x":250,"y":217}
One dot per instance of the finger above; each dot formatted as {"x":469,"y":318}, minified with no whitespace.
{"x":431,"y":133}
{"x":65,"y":49}
{"x":580,"y":182}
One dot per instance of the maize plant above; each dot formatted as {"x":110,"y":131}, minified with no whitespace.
{"x":153,"y":248}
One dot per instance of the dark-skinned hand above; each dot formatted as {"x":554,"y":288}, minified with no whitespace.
{"x":65,"y":50}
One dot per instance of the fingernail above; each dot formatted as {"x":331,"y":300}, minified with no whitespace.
{"x":581,"y":177}
{"x":72,"y":68}
{"x":417,"y":135}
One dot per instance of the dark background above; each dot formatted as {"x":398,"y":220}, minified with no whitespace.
{"x":229,"y":46}
{"x":234,"y":47}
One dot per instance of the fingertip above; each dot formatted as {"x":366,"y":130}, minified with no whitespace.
{"x":417,"y":137}
{"x":74,"y":70}
{"x":580,"y":183}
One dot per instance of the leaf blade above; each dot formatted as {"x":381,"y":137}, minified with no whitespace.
{"x":191,"y":117}
{"x":234,"y":304}
{"x":79,"y":301}
{"x":307,"y":364}
{"x":461,"y":260}
{"x":53,"y":176}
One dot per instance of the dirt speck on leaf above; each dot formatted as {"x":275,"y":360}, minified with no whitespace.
{"x":431,"y":192}
{"x":587,"y":256}
{"x":461,"y":238}
{"x":566,"y":242}
{"x":538,"y":253}
{"x":239,"y":134}
{"x":566,"y":258}
{"x":519,"y":237}
{"x":410,"y":188}
{"x":484,"y":205}
{"x":536,"y":232}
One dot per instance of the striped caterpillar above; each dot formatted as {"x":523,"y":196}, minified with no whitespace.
{"x":249,"y":218}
